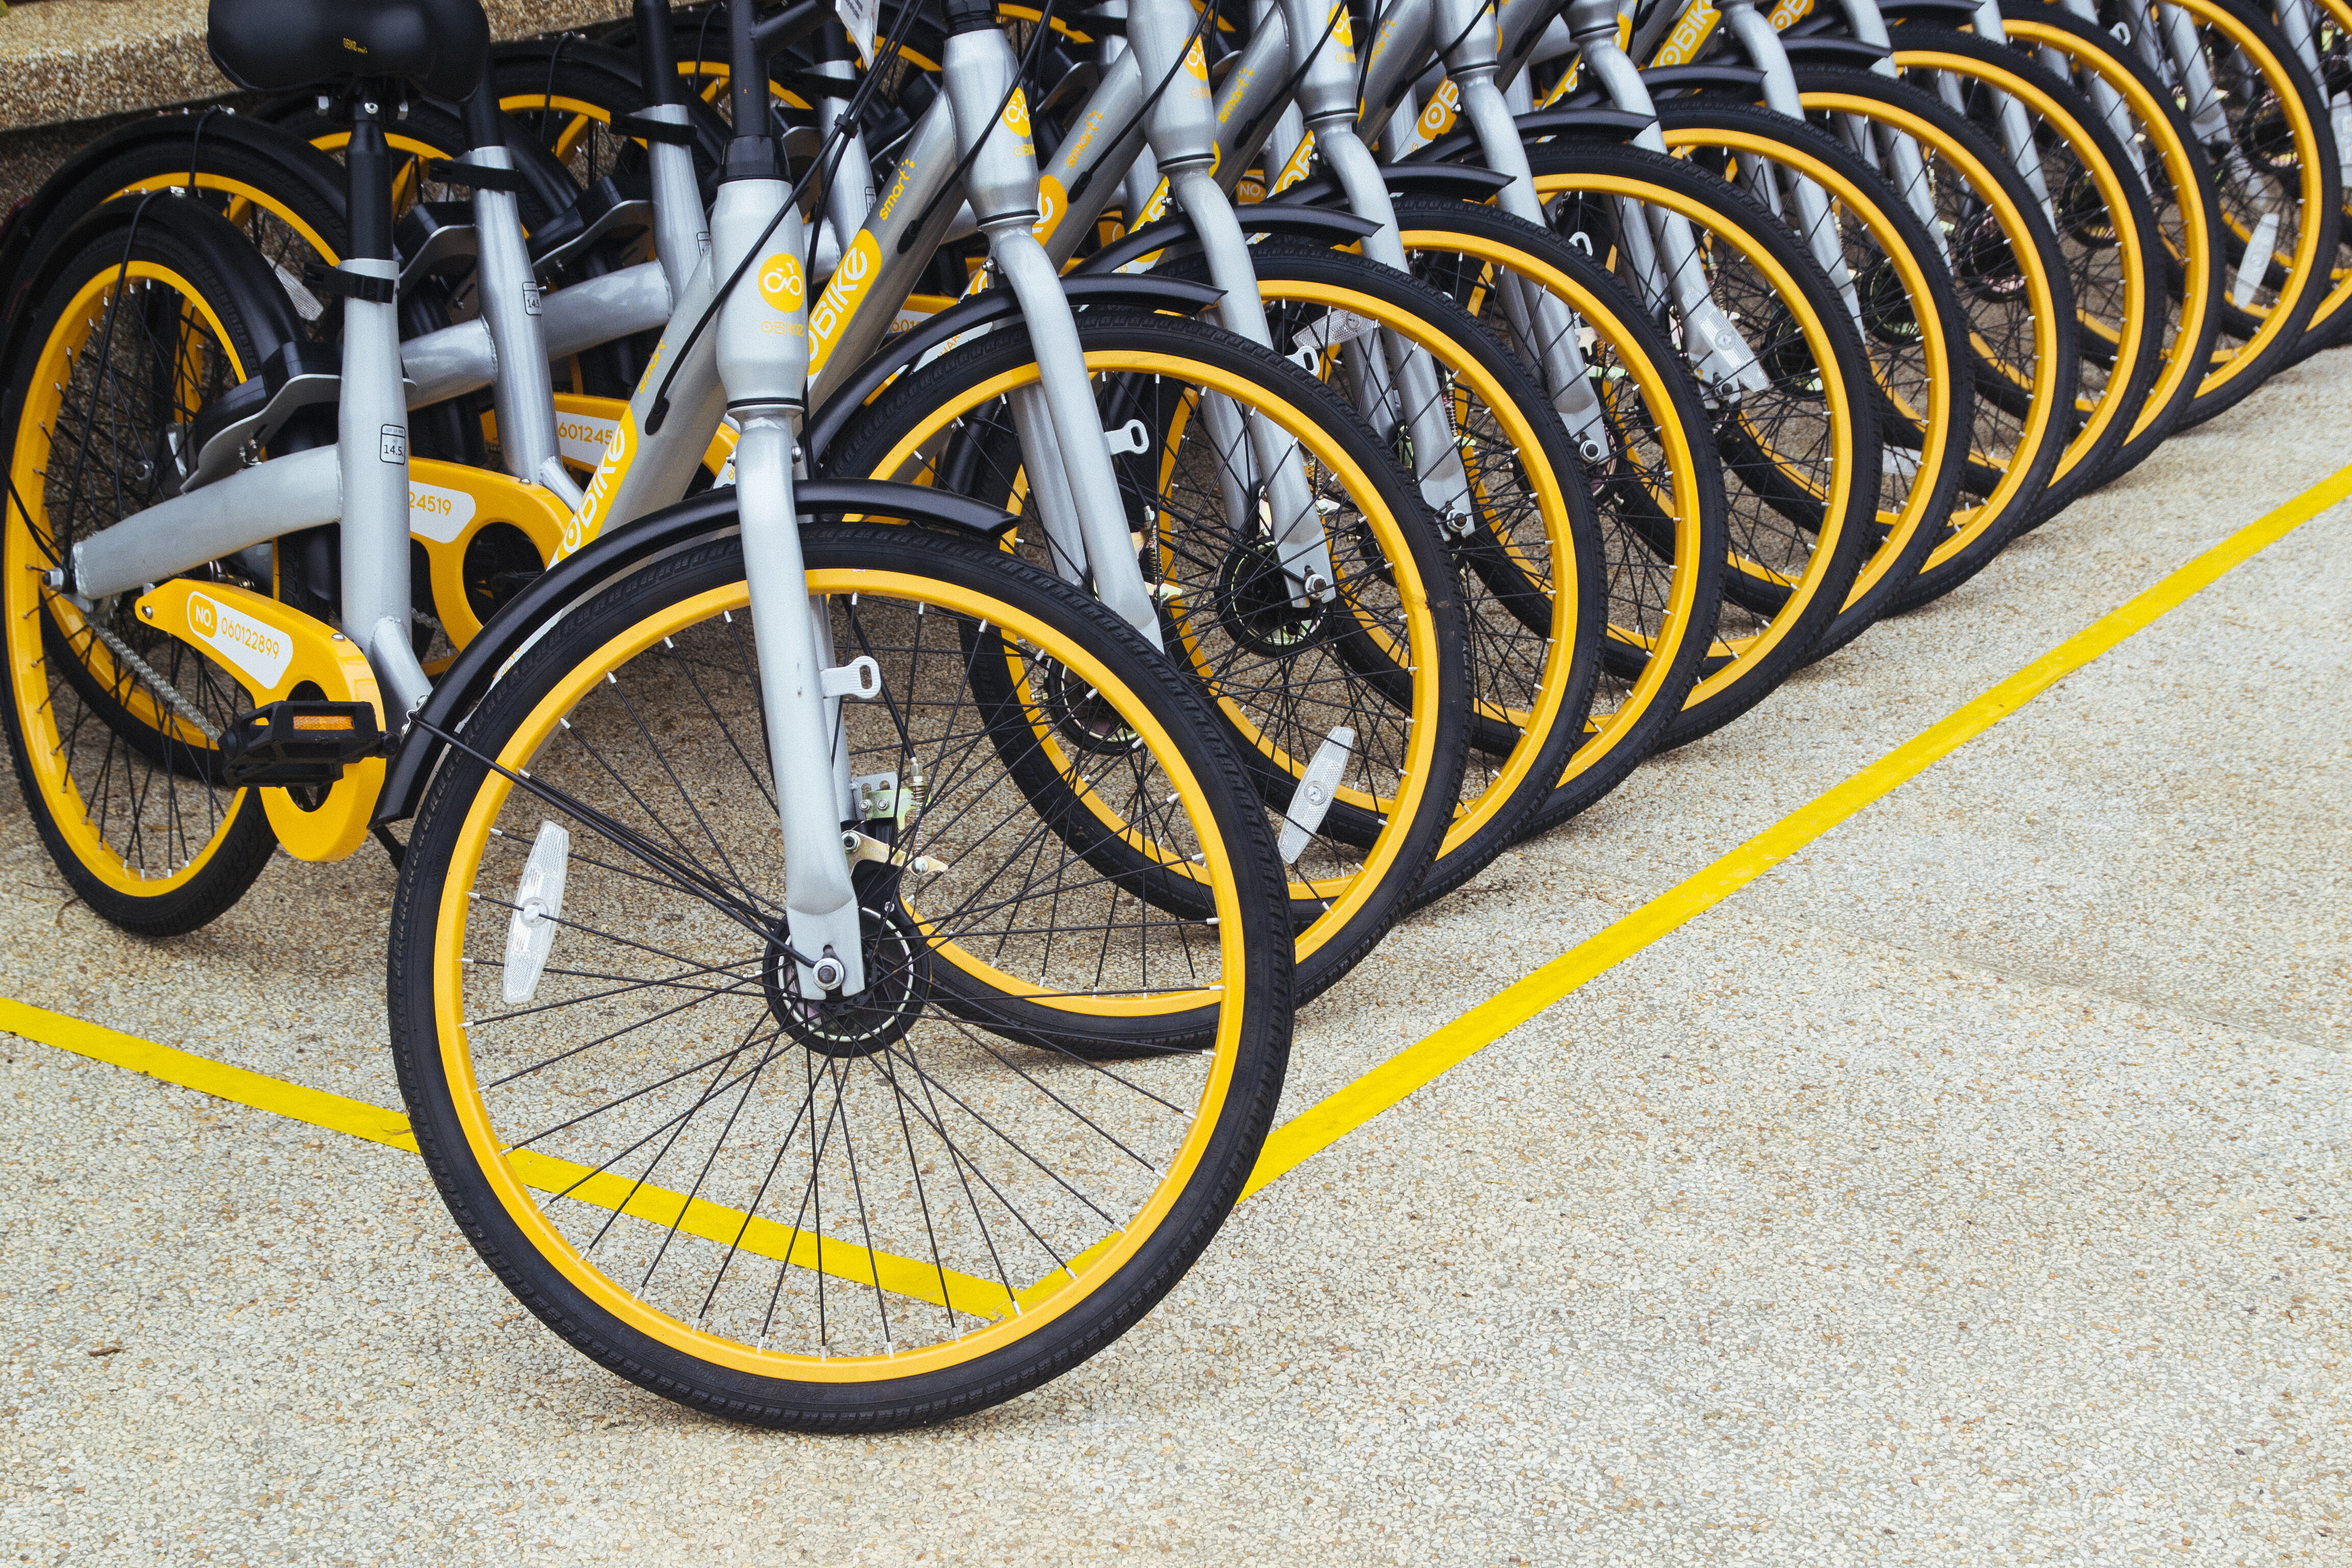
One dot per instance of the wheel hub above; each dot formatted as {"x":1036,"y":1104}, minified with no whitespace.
{"x":847,"y":1028}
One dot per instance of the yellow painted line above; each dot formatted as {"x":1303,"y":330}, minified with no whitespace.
{"x":1342,"y":1112}
{"x":358,"y":1118}
{"x":1334,"y":1117}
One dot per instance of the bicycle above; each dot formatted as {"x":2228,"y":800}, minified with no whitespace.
{"x":596,"y":909}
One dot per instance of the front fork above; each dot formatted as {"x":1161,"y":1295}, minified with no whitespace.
{"x":764,"y":363}
{"x":1662,"y":249}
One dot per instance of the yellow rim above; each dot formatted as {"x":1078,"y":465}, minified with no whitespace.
{"x":1969,"y":523}
{"x":242,"y":195}
{"x":2111,"y":191}
{"x":1652,"y":386}
{"x":1342,"y":897}
{"x":1559,"y":656}
{"x":1741,"y":650}
{"x":1040,"y":1305}
{"x":1939,"y":418}
{"x":27,"y":603}
{"x":2196,"y":258}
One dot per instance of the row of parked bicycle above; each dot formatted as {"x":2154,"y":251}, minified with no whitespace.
{"x":921,"y":577}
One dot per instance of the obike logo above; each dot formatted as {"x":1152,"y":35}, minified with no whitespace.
{"x":1683,"y":44}
{"x":1343,"y":32}
{"x":781,"y":284}
{"x":1155,"y":210}
{"x":1301,"y":162}
{"x":1789,"y":12}
{"x":838,"y":303}
{"x":1438,"y":116}
{"x":581,"y":527}
{"x":1053,"y":203}
{"x":1016,"y":118}
{"x":256,"y":647}
{"x":1196,"y":64}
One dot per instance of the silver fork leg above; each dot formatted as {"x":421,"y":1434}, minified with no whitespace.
{"x":821,"y":906}
{"x":1077,"y":426}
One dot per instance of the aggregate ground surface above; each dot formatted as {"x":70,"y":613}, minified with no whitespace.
{"x":1970,"y":1190}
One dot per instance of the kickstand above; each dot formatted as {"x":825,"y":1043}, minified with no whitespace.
{"x":392,"y":846}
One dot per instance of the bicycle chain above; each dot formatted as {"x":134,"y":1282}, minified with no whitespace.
{"x":163,"y":688}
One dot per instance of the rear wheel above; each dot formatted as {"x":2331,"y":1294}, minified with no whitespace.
{"x":845,"y":1214}
{"x":149,"y":309}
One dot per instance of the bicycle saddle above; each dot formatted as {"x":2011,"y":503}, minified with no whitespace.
{"x":272,"y":45}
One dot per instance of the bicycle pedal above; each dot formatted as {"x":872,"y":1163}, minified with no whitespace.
{"x":298,"y":742}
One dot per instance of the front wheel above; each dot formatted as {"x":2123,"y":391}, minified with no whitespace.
{"x":823,"y":1214}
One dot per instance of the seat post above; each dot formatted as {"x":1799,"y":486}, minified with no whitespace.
{"x":373,"y":419}
{"x":367,"y":174}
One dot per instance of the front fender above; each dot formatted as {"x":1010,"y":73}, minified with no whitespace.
{"x":1136,"y":291}
{"x":605,"y":561}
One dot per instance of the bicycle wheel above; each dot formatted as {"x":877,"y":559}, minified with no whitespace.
{"x":2013,"y":287}
{"x":1375,"y":682}
{"x":2256,"y":113}
{"x":2156,"y":135}
{"x":1801,"y":457}
{"x":1520,"y":525}
{"x":1898,"y":292}
{"x":148,"y":309}
{"x":1658,"y":493}
{"x":2330,"y":64}
{"x":284,"y":195}
{"x":2105,"y":222}
{"x":859,"y":1214}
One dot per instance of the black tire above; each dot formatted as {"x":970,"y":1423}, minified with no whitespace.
{"x":1664,"y":568}
{"x":1916,"y":497}
{"x":1341,"y":916}
{"x":1997,"y":225}
{"x":1795,"y":553}
{"x":99,"y":754}
{"x":1528,"y":653}
{"x":2188,"y":206}
{"x":775,"y":1377}
{"x":2103,"y":225}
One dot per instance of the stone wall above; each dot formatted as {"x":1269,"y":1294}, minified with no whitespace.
{"x":69,"y":70}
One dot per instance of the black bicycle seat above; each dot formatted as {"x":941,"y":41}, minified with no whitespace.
{"x":274,"y":46}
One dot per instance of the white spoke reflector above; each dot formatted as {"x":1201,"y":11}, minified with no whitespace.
{"x":539,"y":903}
{"x":1317,"y":786}
{"x":2254,"y":267}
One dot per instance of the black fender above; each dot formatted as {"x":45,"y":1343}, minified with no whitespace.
{"x":1699,"y":76}
{"x":1337,"y":230}
{"x":605,"y":561}
{"x":252,"y":289}
{"x":1465,"y":182}
{"x":1581,"y":120}
{"x":1831,"y":49}
{"x":1943,"y":13}
{"x":169,"y":141}
{"x":900,"y":350}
